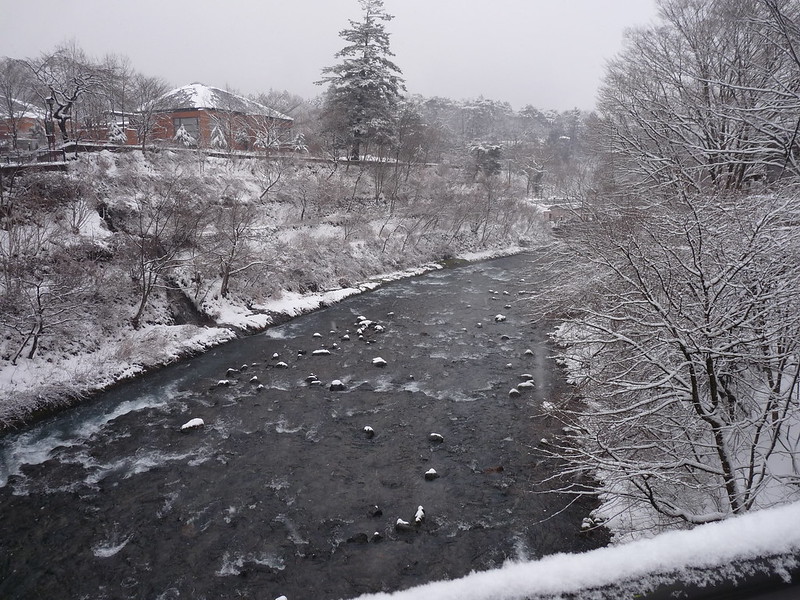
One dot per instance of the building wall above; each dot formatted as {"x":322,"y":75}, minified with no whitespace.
{"x":30,"y":134}
{"x":240,"y":132}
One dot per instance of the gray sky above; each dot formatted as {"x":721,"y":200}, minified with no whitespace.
{"x":548,"y":53}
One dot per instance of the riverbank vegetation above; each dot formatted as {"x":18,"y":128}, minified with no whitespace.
{"x":682,"y":273}
{"x":127,"y":260}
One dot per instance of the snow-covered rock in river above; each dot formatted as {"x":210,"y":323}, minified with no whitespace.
{"x":419,"y":516}
{"x":281,"y":365}
{"x":231,"y":371}
{"x":275,"y":356}
{"x":499,"y":318}
{"x":437,"y":438}
{"x":254,"y":379}
{"x":346,"y":337}
{"x":317,"y":335}
{"x":528,"y":352}
{"x":337,"y":386}
{"x":195,"y":423}
{"x":369,"y":432}
{"x":401,"y":525}
{"x":224,"y":382}
{"x":525,"y":385}
{"x":431,"y":474}
{"x":526,"y":377}
{"x":378,"y":362}
{"x":513,"y":392}
{"x":320,"y":352}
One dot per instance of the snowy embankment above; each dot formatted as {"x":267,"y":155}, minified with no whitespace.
{"x":47,"y":382}
{"x":717,"y":554}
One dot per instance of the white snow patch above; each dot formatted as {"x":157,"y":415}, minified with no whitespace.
{"x":108,"y":550}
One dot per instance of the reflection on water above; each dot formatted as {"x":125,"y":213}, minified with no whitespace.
{"x":282,"y":492}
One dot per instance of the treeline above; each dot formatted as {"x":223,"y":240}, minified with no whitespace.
{"x":96,"y":97}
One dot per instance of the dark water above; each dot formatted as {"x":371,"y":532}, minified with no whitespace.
{"x":278,"y":493}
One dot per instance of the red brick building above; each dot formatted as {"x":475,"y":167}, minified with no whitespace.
{"x":27,"y":120}
{"x":202,"y":116}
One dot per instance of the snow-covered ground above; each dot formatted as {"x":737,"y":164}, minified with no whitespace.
{"x":704,"y":556}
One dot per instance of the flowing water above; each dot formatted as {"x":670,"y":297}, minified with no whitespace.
{"x":283,"y":492}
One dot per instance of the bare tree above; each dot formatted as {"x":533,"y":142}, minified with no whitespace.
{"x":700,"y":99}
{"x":233,"y":240}
{"x":165,"y":221}
{"x":145,"y":96}
{"x":683,"y":336}
{"x":64,"y":76}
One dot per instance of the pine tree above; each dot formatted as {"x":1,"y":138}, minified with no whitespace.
{"x":364,"y":88}
{"x":218,"y":139}
{"x":115,"y":134}
{"x":184,"y":137}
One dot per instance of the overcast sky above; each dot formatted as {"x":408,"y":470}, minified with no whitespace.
{"x":548,"y":53}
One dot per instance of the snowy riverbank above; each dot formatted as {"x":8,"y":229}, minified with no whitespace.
{"x":47,"y":383}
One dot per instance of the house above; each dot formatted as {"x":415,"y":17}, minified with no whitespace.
{"x":26,"y":121}
{"x":202,"y":116}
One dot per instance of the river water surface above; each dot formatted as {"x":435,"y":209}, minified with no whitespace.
{"x":283,"y":492}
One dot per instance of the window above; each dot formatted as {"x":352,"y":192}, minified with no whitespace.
{"x":190,"y":124}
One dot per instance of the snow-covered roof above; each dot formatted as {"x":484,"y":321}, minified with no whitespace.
{"x":197,"y":96}
{"x":21,"y":109}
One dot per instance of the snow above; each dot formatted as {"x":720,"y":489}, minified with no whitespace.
{"x":419,"y":516}
{"x":195,"y":423}
{"x":120,"y":359}
{"x":200,"y":96}
{"x":108,"y":550}
{"x":675,"y":554}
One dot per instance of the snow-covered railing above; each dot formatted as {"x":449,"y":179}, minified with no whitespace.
{"x":754,"y":552}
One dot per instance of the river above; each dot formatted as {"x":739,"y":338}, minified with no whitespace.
{"x":284,"y":491}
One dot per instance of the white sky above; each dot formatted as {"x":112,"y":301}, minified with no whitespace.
{"x":548,"y":53}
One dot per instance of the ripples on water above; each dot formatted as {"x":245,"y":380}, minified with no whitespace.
{"x":281,"y":492}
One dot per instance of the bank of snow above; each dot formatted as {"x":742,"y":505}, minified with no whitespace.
{"x":708,"y":555}
{"x":48,"y":382}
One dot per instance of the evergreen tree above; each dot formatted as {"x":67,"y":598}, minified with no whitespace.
{"x":184,"y":137}
{"x":364,"y":88}
{"x":116,"y":135}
